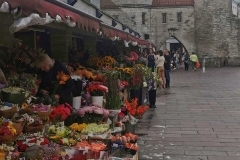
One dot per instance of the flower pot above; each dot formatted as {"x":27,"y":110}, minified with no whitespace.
{"x":129,"y":128}
{"x":134,"y":93}
{"x":77,"y":102}
{"x":15,"y":98}
{"x":97,"y":100}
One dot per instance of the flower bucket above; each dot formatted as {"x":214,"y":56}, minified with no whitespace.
{"x":98,"y":100}
{"x":77,"y":102}
{"x":129,"y":128}
{"x":134,"y":93}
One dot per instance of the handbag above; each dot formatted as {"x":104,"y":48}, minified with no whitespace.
{"x":198,"y":65}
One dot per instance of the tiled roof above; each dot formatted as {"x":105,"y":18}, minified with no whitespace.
{"x":107,"y":4}
{"x":159,"y":3}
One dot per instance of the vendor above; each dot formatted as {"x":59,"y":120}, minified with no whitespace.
{"x":49,"y":70}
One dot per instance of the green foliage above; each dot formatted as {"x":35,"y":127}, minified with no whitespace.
{"x":112,"y":98}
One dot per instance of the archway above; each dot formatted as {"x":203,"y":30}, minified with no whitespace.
{"x":172,"y":43}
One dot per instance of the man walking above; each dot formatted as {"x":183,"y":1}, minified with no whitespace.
{"x":167,"y":67}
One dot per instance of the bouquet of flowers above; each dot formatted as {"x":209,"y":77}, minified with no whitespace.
{"x":152,"y":81}
{"x":122,"y":84}
{"x":61,"y":79}
{"x":60,"y":113}
{"x":29,"y":82}
{"x":131,"y":112}
{"x":9,"y":130}
{"x":135,"y":110}
{"x":25,"y":141}
{"x":96,"y":88}
{"x":92,"y":114}
{"x":137,"y":78}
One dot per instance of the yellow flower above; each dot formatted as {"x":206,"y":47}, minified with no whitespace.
{"x":108,"y":64}
{"x":54,"y":137}
{"x":107,"y":58}
{"x":24,"y":105}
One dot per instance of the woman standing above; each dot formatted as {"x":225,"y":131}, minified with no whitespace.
{"x":49,"y":71}
{"x":160,"y":69}
{"x":151,"y":60}
{"x":194,"y":60}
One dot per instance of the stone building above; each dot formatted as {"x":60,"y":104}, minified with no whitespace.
{"x":207,"y":27}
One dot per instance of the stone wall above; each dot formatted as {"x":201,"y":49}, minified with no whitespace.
{"x":158,"y":31}
{"x":183,"y":31}
{"x":6,"y":38}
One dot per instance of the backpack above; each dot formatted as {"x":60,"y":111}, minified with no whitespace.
{"x":151,"y":60}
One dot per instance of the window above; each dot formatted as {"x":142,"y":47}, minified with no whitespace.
{"x":179,"y":17}
{"x":143,"y":17}
{"x":164,"y":17}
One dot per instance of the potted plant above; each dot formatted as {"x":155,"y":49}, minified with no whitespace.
{"x":97,"y":90}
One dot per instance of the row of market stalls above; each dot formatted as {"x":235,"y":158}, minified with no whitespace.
{"x":111,"y":83}
{"x":40,"y":23}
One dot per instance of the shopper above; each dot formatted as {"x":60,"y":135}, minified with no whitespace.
{"x":160,"y":69}
{"x":186,"y":60}
{"x":167,"y":67}
{"x":48,"y":73}
{"x":151,"y":60}
{"x":194,"y":60}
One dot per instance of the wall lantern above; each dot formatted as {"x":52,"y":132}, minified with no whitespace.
{"x":71,"y":2}
{"x":114,"y":23}
{"x":98,"y":14}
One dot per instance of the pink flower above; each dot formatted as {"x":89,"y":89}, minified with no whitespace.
{"x":104,"y":87}
{"x":87,"y":95}
{"x":105,"y":113}
{"x":88,"y":109}
{"x":81,"y":112}
{"x":98,"y":110}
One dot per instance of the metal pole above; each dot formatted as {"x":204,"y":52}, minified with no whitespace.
{"x":203,"y":64}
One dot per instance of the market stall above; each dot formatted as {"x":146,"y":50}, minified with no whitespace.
{"x":101,"y":122}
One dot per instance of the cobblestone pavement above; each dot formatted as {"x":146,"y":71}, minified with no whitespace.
{"x":197,"y":118}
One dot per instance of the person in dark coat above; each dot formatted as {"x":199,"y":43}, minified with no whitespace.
{"x":49,"y":71}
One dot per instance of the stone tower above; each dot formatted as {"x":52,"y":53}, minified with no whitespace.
{"x":216,"y":31}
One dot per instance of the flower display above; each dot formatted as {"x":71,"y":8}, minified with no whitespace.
{"x":95,"y":128}
{"x":60,"y":112}
{"x":96,"y":88}
{"x":30,"y":120}
{"x":100,"y":62}
{"x":30,"y":83}
{"x":91,"y":114}
{"x":136,"y":78}
{"x":78,"y":127}
{"x":40,"y":108}
{"x":7,"y":128}
{"x":63,"y":135}
{"x":8,"y":152}
{"x":25,"y":141}
{"x":85,"y":73}
{"x":91,"y":146}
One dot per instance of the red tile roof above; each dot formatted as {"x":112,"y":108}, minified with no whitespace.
{"x":107,"y":4}
{"x":159,"y":3}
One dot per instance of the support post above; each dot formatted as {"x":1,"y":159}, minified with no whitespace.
{"x":203,"y":64}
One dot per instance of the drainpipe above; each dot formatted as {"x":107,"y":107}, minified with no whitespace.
{"x":203,"y":63}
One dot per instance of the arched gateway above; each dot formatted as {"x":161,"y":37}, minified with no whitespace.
{"x":207,"y":27}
